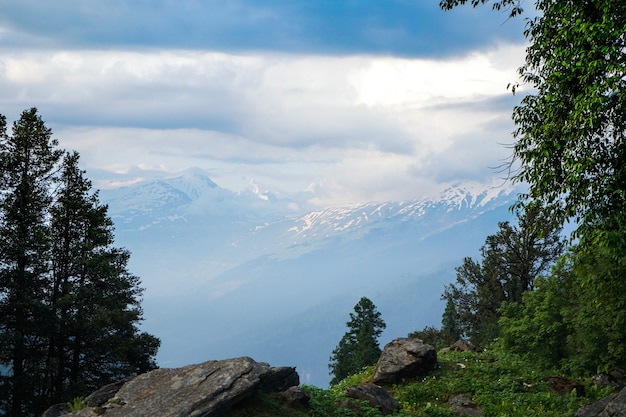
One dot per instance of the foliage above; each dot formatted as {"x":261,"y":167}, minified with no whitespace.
{"x":501,"y":384}
{"x":511,"y":260}
{"x":570,"y":146}
{"x":359,"y":347}
{"x":69,"y":306}
{"x":438,"y":338}
{"x":76,"y":404}
{"x":539,"y":327}
{"x":571,"y":130}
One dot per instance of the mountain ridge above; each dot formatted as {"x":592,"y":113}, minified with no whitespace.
{"x":233,"y":272}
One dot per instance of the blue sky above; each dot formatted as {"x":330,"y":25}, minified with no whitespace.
{"x":351,"y":100}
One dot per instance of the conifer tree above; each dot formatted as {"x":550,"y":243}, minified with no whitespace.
{"x":511,"y":260}
{"x":95,"y":299}
{"x":28,"y":158}
{"x":69,"y":307}
{"x":359,"y":346}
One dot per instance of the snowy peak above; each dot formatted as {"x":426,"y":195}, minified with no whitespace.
{"x":453,"y":204}
{"x":192,"y":182}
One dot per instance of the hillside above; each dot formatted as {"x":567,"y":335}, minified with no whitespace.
{"x":501,"y":385}
{"x":231,"y":273}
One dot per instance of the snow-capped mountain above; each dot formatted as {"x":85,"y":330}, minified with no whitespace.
{"x":231,"y":274}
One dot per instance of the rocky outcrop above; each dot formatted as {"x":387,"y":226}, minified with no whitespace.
{"x":611,"y":406}
{"x":375,"y":396}
{"x":404,"y":358}
{"x":204,"y":390}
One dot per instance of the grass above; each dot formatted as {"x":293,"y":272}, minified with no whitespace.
{"x":502,"y":385}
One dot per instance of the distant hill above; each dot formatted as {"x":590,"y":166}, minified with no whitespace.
{"x":231,"y":274}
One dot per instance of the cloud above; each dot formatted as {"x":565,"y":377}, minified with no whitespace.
{"x":353,"y":126}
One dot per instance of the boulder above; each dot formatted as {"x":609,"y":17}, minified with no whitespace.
{"x":295,"y":396}
{"x":375,"y":396}
{"x":464,"y":406}
{"x":104,"y":394}
{"x":561,"y":385}
{"x":404,"y":358}
{"x":204,"y":390}
{"x":614,"y":378}
{"x":612,"y":406}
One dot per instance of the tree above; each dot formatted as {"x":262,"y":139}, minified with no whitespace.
{"x":94,"y":299}
{"x":570,"y":133}
{"x":69,"y":307}
{"x":437,"y":338}
{"x":27,"y":159}
{"x":511,"y":261}
{"x":539,"y":328}
{"x":359,"y":347}
{"x":570,"y":145}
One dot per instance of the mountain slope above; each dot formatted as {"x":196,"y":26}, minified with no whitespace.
{"x":231,"y":274}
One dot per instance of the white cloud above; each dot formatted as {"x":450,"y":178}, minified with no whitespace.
{"x":358,"y":127}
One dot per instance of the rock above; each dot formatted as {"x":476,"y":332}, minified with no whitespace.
{"x":56,"y":410}
{"x":295,"y":396}
{"x":612,"y":406}
{"x":614,"y":378}
{"x":464,"y":406}
{"x":375,"y":396}
{"x":204,"y":390}
{"x":104,"y":394}
{"x":279,"y":379}
{"x":404,"y":358}
{"x":560,"y":385}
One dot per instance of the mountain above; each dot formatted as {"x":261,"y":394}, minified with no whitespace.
{"x":230,"y":274}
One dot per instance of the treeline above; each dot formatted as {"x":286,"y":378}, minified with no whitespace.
{"x":69,"y":307}
{"x":561,"y":307}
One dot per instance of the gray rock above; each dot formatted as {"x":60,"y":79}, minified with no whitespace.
{"x":56,"y":410}
{"x":279,"y":379}
{"x":611,"y":406}
{"x":464,"y":406}
{"x":614,"y":378}
{"x":295,"y":396}
{"x":375,"y":396}
{"x":204,"y":390}
{"x":104,"y":394}
{"x":404,"y":358}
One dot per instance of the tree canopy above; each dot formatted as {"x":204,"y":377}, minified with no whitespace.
{"x":359,"y":347}
{"x":570,"y":147}
{"x":69,"y":307}
{"x":511,"y":260}
{"x":570,"y":128}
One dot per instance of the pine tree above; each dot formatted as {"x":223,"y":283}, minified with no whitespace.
{"x":69,"y":307}
{"x":359,"y":346}
{"x":95,"y":300}
{"x":511,"y":261}
{"x":27,"y":159}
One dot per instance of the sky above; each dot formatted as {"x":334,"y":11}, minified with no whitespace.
{"x":350,"y":100}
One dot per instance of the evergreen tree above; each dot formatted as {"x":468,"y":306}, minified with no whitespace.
{"x":511,"y":261}
{"x":95,"y":300}
{"x":28,"y":160}
{"x":69,"y":308}
{"x":359,"y":346}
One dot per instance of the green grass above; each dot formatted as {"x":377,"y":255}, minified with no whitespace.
{"x":502,"y":385}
